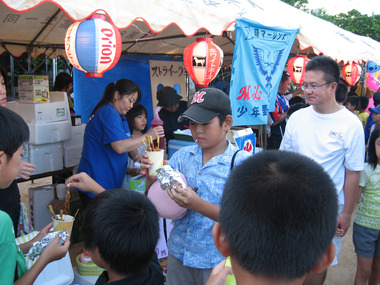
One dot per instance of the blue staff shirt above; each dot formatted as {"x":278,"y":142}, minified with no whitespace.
{"x":99,"y":160}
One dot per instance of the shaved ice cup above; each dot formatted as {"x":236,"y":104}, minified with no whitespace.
{"x":157,"y":157}
{"x":64,"y":225}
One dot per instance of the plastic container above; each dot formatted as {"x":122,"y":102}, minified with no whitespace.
{"x":158,"y":122}
{"x":89,"y":268}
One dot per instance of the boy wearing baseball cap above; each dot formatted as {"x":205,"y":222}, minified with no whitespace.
{"x":206,"y":166}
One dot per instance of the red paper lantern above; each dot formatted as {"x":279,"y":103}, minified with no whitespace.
{"x":203,"y":60}
{"x":296,"y":68}
{"x":351,"y":73}
{"x":93,"y":45}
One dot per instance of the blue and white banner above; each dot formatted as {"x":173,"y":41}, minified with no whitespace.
{"x":260,"y":56}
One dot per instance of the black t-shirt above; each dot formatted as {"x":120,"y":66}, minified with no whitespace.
{"x":10,"y":203}
{"x":170,"y":120}
{"x":151,"y":276}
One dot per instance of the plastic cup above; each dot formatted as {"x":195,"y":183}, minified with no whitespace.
{"x":157,"y":157}
{"x":63,"y":225}
{"x":61,"y":191}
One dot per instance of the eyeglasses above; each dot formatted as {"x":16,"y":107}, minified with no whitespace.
{"x":312,"y":87}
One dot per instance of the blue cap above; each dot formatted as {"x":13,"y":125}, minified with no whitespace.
{"x":375,"y":110}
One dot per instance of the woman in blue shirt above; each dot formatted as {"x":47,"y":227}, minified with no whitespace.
{"x":107,"y":138}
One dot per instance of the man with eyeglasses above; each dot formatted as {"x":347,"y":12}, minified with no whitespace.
{"x":332,"y":136}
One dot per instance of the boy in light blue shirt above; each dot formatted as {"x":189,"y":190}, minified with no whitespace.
{"x":206,"y":167}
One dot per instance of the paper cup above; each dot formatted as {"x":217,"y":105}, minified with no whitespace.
{"x":61,"y":191}
{"x":157,"y":157}
{"x":63,"y":225}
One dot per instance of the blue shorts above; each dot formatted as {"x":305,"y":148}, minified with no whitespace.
{"x":366,"y":241}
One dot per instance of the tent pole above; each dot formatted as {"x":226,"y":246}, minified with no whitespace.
{"x":364,"y":79}
{"x":13,"y":91}
{"x":29,"y":61}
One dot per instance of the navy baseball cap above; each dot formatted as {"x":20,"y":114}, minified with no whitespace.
{"x":206,"y":104}
{"x":167,"y":96}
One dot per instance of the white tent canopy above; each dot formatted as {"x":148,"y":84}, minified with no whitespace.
{"x":165,"y":27}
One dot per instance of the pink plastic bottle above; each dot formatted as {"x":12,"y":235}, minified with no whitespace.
{"x":158,"y":122}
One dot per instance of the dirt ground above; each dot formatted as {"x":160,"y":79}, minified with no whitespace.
{"x":341,"y":274}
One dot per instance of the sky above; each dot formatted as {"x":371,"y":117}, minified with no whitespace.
{"x":334,"y":7}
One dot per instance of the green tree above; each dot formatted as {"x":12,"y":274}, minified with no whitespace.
{"x":352,"y":21}
{"x":300,"y":4}
{"x":355,"y":22}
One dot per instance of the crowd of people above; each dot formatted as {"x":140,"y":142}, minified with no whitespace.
{"x":279,"y":215}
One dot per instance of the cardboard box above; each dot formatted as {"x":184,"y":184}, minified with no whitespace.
{"x":33,"y":88}
{"x":137,"y":183}
{"x":56,"y":110}
{"x":243,"y":138}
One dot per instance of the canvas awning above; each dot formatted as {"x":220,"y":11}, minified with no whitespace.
{"x":167,"y":27}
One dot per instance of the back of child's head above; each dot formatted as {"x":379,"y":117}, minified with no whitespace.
{"x":353,"y":100}
{"x":363,"y":102}
{"x":123,"y":226}
{"x":372,"y":157}
{"x":376,"y":98}
{"x":296,"y":99}
{"x":14,"y":132}
{"x":207,"y":104}
{"x":295,"y":107}
{"x":341,"y":93}
{"x":136,"y":111}
{"x":278,"y":214}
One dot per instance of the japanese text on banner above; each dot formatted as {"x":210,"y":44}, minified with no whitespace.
{"x":260,"y":56}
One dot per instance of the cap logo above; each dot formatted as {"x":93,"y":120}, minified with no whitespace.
{"x":198,"y":97}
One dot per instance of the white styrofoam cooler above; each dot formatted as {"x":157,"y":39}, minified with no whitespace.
{"x":77,"y":135}
{"x":47,"y":157}
{"x":48,"y":122}
{"x":72,"y":149}
{"x":39,"y":199}
{"x":49,"y":132}
{"x":71,"y":156}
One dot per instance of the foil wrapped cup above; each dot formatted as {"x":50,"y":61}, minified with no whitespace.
{"x":39,"y":246}
{"x":169,"y":177}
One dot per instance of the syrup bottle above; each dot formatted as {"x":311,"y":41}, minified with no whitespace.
{"x":158,"y":122}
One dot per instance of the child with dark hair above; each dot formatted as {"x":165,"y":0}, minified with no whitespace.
{"x":14,"y":133}
{"x":341,"y":93}
{"x":206,"y":166}
{"x":296,"y":103}
{"x":363,"y":104}
{"x":137,"y":121}
{"x":296,"y":99}
{"x":120,"y":230}
{"x":277,"y":219}
{"x":352,"y":103}
{"x":366,"y":230}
